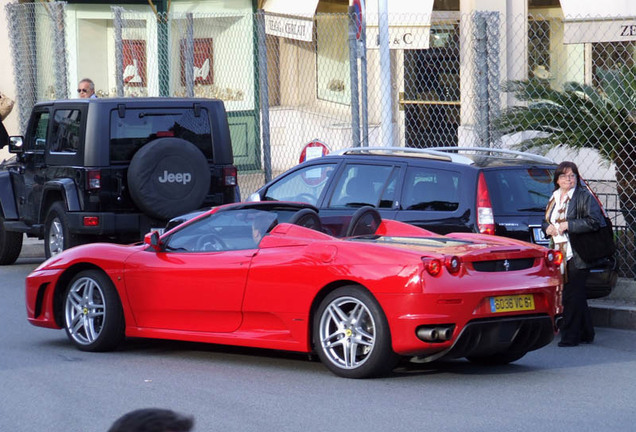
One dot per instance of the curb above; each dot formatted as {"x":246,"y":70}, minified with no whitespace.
{"x":618,"y":310}
{"x":614,"y":315}
{"x":32,"y":248}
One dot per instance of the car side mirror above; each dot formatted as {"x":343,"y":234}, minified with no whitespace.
{"x":255,"y":197}
{"x":153,"y":240}
{"x":16,"y":144}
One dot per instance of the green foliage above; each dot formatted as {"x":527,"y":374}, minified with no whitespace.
{"x":578,"y":116}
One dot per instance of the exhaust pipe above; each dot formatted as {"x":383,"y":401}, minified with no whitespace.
{"x":435,"y":334}
{"x":427,"y":334}
{"x":444,"y":333}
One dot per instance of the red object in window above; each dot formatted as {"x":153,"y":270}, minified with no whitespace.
{"x":163,"y":134}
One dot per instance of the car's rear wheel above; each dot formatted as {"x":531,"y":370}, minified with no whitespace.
{"x":351,"y":334}
{"x":497,"y":359}
{"x":10,"y":244}
{"x":93,"y":315}
{"x":57,"y":237}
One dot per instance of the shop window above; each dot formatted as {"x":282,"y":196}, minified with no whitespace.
{"x":539,"y":49}
{"x":332,"y":59}
{"x":611,"y":56}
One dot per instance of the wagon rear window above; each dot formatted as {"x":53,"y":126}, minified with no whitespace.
{"x":141,"y":126}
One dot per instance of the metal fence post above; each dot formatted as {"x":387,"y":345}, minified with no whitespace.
{"x":119,"y":49}
{"x":21,"y":19}
{"x":353,"y":74}
{"x":487,"y":86}
{"x":493,"y":53}
{"x":481,"y":78}
{"x":264,"y":94}
{"x":61,"y":69}
{"x":189,"y":55}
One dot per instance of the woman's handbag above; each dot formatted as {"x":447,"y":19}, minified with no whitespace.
{"x":6,"y":105}
{"x":594,"y":245}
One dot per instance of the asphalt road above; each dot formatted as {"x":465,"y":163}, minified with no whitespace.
{"x":46,"y":384}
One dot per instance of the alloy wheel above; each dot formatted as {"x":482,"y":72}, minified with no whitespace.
{"x":85,"y":310}
{"x":347,"y":332}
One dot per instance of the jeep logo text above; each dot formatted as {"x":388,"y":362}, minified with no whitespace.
{"x":175,"y":178}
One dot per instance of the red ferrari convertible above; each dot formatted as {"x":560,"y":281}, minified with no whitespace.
{"x":269,"y":275}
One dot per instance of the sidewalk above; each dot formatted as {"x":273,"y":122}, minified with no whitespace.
{"x":618,"y":310}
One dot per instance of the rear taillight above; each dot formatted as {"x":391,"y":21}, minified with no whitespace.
{"x":433,"y":266}
{"x":93,"y":179}
{"x":553,"y":258}
{"x":229,"y":176}
{"x":453,"y":264}
{"x":485,"y":217}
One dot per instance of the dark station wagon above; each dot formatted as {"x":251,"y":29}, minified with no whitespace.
{"x":442,"y":189}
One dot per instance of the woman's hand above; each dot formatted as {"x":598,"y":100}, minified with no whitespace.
{"x":557,"y":229}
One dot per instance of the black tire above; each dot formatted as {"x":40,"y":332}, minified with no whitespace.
{"x":365,"y":221}
{"x":366,"y":333}
{"x":168,"y":177}
{"x":497,"y":359}
{"x":57,"y":237}
{"x":93,"y":315}
{"x":10,"y":244}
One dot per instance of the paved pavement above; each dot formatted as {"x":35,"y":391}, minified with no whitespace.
{"x":618,"y":310}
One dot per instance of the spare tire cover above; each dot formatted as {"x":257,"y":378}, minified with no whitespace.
{"x":168,"y":177}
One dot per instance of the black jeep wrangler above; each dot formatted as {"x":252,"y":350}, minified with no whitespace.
{"x":112,"y":169}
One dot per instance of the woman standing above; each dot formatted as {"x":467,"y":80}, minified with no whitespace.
{"x":572,"y":209}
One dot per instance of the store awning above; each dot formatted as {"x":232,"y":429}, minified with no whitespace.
{"x":599,"y":21}
{"x":409,"y":23}
{"x":293,"y":19}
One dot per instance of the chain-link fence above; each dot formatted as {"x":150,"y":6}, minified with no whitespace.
{"x":479,"y":79}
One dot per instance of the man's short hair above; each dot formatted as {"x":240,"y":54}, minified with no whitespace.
{"x":90,"y":82}
{"x":152,"y":420}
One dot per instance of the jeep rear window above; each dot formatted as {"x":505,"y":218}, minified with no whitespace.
{"x":141,"y":126}
{"x":520,"y":189}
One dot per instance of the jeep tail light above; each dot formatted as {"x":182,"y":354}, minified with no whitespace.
{"x":485,"y":217}
{"x":553,"y":257}
{"x":229,"y":176}
{"x":93,"y":179}
{"x":433,"y":266}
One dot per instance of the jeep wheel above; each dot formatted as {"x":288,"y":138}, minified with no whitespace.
{"x":57,"y":237}
{"x":168,"y":177}
{"x":10,"y":244}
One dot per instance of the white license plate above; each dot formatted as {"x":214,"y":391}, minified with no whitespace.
{"x":538,"y":236}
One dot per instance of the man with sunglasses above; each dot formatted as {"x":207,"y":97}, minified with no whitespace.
{"x":86,"y":89}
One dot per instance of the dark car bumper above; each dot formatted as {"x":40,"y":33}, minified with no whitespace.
{"x":514,"y":334}
{"x":126,"y":225}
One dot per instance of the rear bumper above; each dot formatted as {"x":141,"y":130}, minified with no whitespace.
{"x":129,"y":225}
{"x":485,"y":337}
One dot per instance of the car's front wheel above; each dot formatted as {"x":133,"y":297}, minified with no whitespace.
{"x":351,"y":334}
{"x":93,"y":315}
